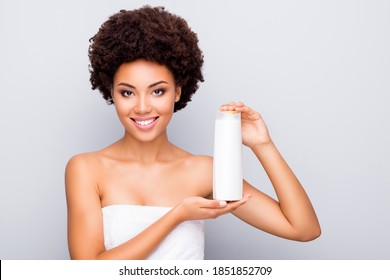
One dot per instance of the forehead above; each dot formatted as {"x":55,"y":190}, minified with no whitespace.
{"x":142,"y":72}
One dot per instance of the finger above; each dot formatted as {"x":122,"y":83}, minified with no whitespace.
{"x":235,"y":204}
{"x":233,"y":106}
{"x":249,"y":112}
{"x":246,"y":196}
{"x":242,"y":109}
{"x":231,"y":206}
{"x":230,"y":106}
{"x":211,"y":203}
{"x":227,"y":107}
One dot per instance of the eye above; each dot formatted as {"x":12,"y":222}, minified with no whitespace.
{"x":158,"y":92}
{"x":126,"y":93}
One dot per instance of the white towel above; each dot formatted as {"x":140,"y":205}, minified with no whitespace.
{"x":123,"y":222}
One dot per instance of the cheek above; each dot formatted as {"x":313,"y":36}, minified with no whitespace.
{"x":167,"y":104}
{"x":122,"y":109}
{"x":166,"y":108}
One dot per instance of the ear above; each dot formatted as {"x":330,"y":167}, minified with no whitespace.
{"x":112,"y":95}
{"x":177,"y":93}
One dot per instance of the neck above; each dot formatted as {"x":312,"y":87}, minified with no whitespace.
{"x":145,"y":152}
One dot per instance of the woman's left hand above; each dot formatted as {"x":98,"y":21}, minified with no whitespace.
{"x":254,"y":129}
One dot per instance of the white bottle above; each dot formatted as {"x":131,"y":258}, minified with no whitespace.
{"x":227,"y":166}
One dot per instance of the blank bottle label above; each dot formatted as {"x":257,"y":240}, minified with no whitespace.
{"x":227,"y":173}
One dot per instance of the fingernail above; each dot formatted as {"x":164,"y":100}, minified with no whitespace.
{"x":222,"y":203}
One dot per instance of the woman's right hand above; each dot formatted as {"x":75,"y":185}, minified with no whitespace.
{"x":199,"y":208}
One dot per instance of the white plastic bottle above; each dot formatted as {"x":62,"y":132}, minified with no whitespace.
{"x":227,"y":169}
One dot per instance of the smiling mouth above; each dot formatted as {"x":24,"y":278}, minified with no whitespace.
{"x":145,"y":122}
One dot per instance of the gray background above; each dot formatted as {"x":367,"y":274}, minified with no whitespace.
{"x":318,"y":71}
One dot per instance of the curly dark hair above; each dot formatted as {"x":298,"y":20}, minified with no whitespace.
{"x":149,"y":33}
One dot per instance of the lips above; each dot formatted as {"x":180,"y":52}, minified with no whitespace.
{"x":144,"y":123}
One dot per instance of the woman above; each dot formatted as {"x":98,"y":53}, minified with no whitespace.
{"x":143,"y":197}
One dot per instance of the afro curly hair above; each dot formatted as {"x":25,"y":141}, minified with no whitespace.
{"x":149,"y":33}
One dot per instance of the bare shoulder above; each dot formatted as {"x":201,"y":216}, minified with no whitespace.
{"x":83,"y":158}
{"x":192,"y":161}
{"x":81,"y":162}
{"x":81,"y":170}
{"x":202,"y":162}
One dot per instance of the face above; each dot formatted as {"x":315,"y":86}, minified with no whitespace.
{"x":144,"y":95}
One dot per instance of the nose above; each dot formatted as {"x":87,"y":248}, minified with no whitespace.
{"x":143,"y":105}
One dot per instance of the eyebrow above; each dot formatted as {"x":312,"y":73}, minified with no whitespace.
{"x":150,"y":86}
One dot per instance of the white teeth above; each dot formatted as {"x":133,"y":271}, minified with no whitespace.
{"x":145,"y":122}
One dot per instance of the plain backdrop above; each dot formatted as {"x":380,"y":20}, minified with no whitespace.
{"x":318,"y":72}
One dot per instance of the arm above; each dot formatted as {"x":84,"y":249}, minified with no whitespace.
{"x":85,"y":224}
{"x":292,"y":216}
